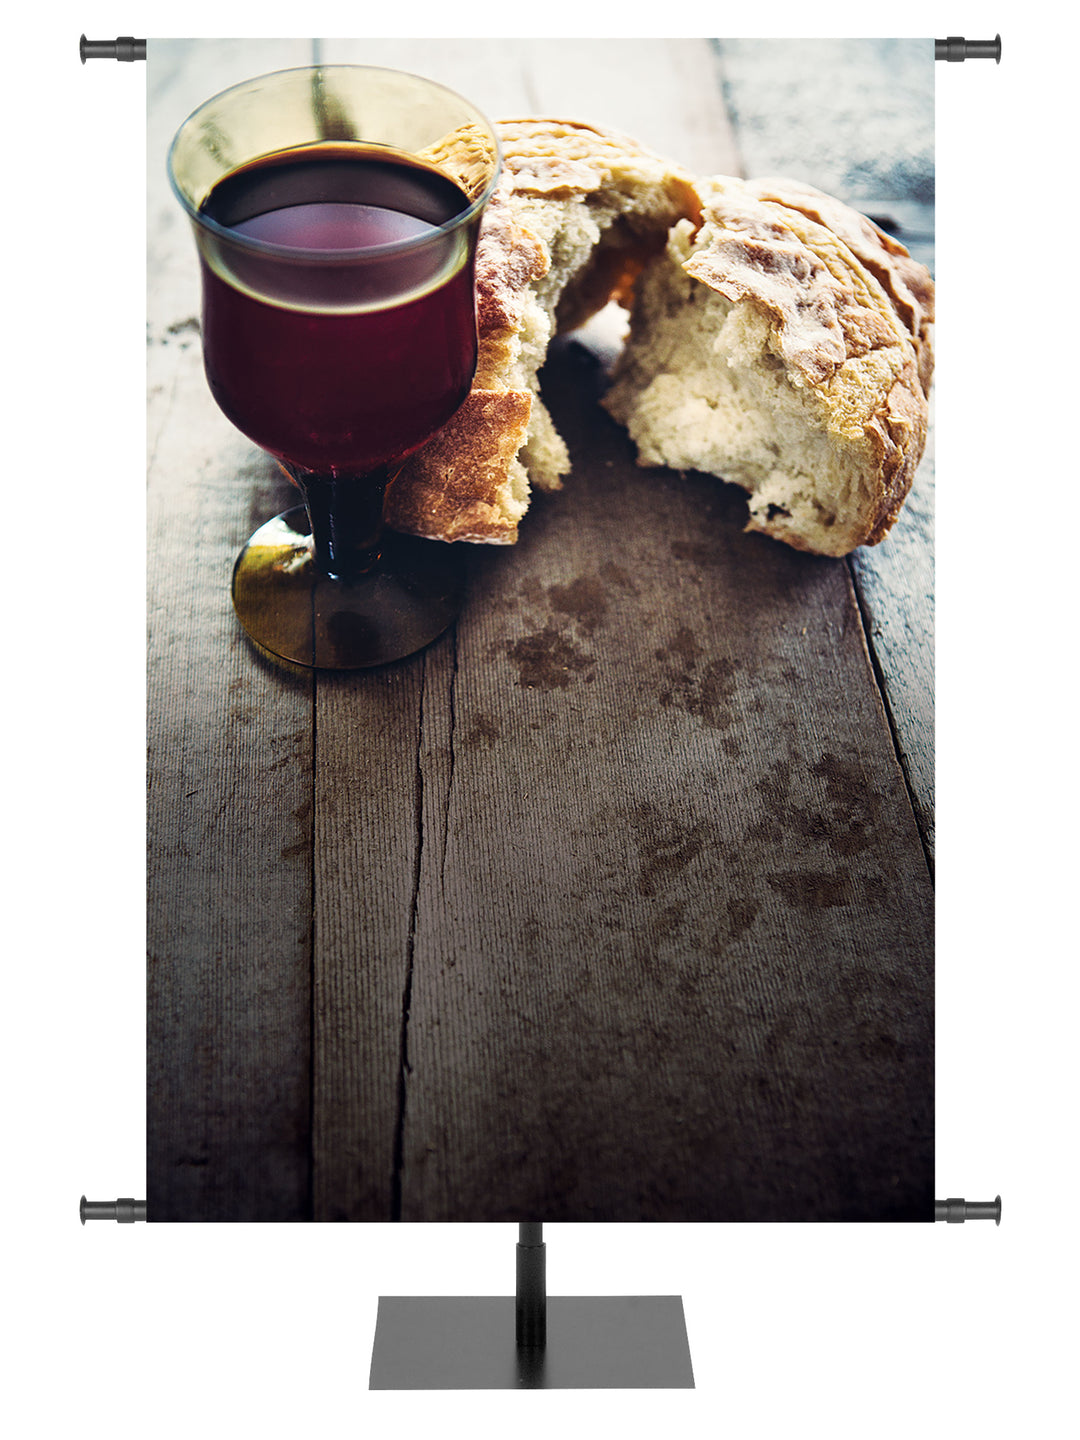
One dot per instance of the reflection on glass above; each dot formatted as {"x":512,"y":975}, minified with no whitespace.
{"x":336,"y":211}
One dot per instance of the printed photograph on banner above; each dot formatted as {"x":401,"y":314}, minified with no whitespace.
{"x":540,"y":661}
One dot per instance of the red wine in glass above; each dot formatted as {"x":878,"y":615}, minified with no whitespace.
{"x":338,"y":369}
{"x":339,"y":333}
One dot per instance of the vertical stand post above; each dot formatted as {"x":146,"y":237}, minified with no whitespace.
{"x":531,"y":1298}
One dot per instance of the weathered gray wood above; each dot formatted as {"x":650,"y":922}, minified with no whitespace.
{"x":229,"y":757}
{"x":674,"y":938}
{"x":662,"y":92}
{"x":895,"y":585}
{"x":656,"y":860}
{"x":856,"y":118}
{"x":368,"y":844}
{"x":367,"y":797}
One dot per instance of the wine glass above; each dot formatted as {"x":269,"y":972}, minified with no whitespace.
{"x":336,"y":211}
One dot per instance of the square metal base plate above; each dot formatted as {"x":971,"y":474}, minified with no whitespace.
{"x":619,"y":1342}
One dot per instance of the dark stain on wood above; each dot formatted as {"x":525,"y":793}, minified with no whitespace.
{"x":548,"y":660}
{"x":484,"y":730}
{"x":704,"y":688}
{"x":616,"y":575}
{"x":741,"y":914}
{"x":845,"y":821}
{"x":814,"y":889}
{"x":698,"y":552}
{"x":666,"y":846}
{"x":582,"y":600}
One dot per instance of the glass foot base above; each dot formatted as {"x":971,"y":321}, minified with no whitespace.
{"x":295,"y":612}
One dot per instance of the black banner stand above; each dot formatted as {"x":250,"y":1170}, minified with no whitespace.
{"x":526,"y":1341}
{"x":529,"y":1342}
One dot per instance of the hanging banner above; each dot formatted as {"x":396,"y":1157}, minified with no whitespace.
{"x":540,"y":574}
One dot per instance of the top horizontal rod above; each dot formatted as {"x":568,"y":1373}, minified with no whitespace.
{"x":127,"y":48}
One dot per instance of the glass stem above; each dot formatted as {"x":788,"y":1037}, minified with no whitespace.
{"x":346,"y":519}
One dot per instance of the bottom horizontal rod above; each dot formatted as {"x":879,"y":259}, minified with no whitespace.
{"x":531,"y":1287}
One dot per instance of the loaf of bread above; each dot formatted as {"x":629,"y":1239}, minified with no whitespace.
{"x":784,"y":345}
{"x":577,"y":214}
{"x":778,"y":339}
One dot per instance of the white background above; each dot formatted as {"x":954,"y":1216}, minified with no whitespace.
{"x":266,"y":1330}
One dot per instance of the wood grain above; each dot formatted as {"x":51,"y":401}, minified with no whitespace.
{"x":895,"y":586}
{"x":673,"y":939}
{"x":870,"y":142}
{"x":229,"y":761}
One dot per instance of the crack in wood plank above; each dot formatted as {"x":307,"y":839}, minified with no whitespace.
{"x":309,"y":1198}
{"x":451,"y":746}
{"x":881,"y":682}
{"x":404,"y":1068}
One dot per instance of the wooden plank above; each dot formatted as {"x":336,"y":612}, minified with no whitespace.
{"x":371,"y":784}
{"x":895,"y":585}
{"x":674,"y":939}
{"x":368,"y":845}
{"x":856,"y":118}
{"x":661,"y":92}
{"x":229,"y":758}
{"x":670,"y":924}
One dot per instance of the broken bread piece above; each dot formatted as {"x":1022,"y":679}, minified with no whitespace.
{"x":785,"y":346}
{"x":577,"y":213}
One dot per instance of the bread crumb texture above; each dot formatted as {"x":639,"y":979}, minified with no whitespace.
{"x":577,"y":214}
{"x":763,"y":350}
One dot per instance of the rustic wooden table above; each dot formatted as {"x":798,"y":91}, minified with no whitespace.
{"x":617,"y":902}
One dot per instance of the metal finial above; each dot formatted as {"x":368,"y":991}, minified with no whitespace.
{"x":124,"y":1212}
{"x":957,"y":48}
{"x":955,"y":1212}
{"x":124,"y":47}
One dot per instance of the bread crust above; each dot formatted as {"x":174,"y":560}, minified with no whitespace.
{"x":906,"y":282}
{"x":578,"y":213}
{"x":451,"y":481}
{"x":859,"y":348}
{"x":530,"y":280}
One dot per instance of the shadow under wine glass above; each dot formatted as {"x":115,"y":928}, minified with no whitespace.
{"x":336,"y":211}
